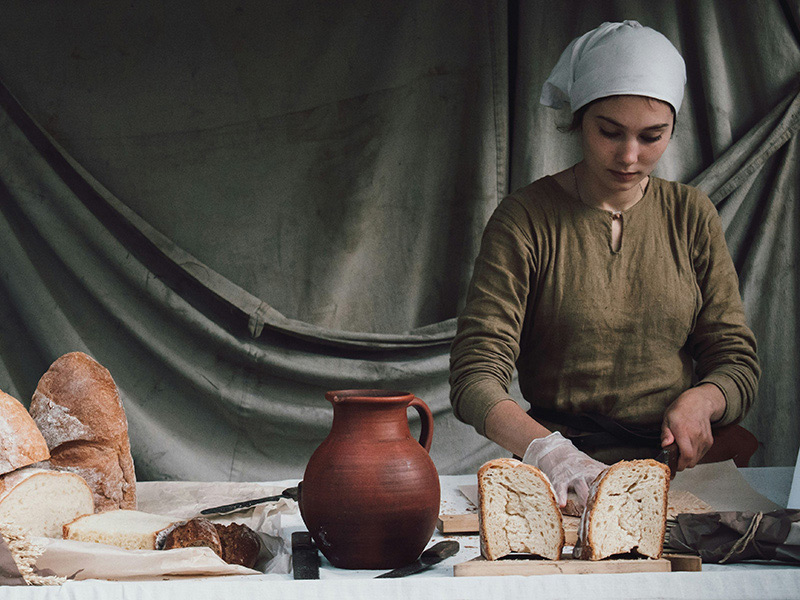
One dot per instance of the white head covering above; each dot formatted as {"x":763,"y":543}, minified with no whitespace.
{"x":614,"y":59}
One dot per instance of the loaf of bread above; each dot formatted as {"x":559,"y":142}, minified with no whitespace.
{"x":40,"y":502}
{"x":517,"y":512}
{"x":626,"y":511}
{"x":77,"y":408}
{"x":235,"y":543}
{"x":190,"y":534}
{"x":21,"y":442}
{"x":131,"y":529}
{"x":240,"y":544}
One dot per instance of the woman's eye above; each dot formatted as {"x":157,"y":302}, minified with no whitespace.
{"x":650,"y":139}
{"x":608,"y":134}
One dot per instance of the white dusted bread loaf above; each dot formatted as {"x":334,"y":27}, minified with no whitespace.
{"x":40,"y":501}
{"x":626,"y":511}
{"x":518,"y":512}
{"x":21,"y":442}
{"x":129,"y":529}
{"x":78,"y":410}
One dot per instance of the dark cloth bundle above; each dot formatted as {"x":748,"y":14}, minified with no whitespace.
{"x":727,"y":537}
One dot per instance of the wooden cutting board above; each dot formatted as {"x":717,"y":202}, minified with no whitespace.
{"x":480,"y":567}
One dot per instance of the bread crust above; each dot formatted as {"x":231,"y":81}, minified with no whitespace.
{"x":483,"y":515}
{"x":585,"y":549}
{"x":78,"y":409}
{"x":21,"y":442}
{"x":191,"y":534}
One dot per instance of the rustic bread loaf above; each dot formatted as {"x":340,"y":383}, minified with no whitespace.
{"x":21,"y":442}
{"x":129,"y":529}
{"x":234,"y":543}
{"x":626,"y":511}
{"x":40,"y":502}
{"x":518,"y":512}
{"x":190,"y":534}
{"x":79,"y":412}
{"x":240,"y":544}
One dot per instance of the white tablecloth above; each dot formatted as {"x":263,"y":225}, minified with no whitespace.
{"x":715,"y":581}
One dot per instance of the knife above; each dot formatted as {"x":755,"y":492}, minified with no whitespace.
{"x":433,"y":555}
{"x":305,"y":559}
{"x":290,"y":493}
{"x":669,"y":457}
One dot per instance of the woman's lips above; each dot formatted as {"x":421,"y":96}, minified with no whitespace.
{"x":623,"y":175}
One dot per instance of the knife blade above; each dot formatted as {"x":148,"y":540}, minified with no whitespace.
{"x":433,"y":555}
{"x":305,"y":559}
{"x":290,"y":493}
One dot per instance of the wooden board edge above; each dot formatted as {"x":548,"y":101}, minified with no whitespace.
{"x":460,"y":523}
{"x":684,"y":562}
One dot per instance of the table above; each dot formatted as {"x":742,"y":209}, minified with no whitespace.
{"x":715,"y":581}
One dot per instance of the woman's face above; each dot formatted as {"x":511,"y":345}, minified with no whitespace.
{"x":623,"y":138}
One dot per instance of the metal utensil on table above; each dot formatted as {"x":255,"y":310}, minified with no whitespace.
{"x":225,"y":509}
{"x":433,"y":555}
{"x":305,"y":558}
{"x":669,"y":457}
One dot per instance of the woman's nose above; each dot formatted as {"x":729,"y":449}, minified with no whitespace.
{"x":628,"y":152}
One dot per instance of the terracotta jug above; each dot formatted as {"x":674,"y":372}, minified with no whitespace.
{"x":370,"y":492}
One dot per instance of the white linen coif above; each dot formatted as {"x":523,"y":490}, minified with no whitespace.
{"x":616,"y":59}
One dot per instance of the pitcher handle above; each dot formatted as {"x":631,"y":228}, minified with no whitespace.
{"x":426,"y":419}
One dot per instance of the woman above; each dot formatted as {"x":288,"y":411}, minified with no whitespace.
{"x":611,"y":291}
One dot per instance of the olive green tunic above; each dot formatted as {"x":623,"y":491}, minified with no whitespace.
{"x":590,"y":329}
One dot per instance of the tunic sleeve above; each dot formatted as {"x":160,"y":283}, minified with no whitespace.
{"x":487,"y":344}
{"x":721,"y":343}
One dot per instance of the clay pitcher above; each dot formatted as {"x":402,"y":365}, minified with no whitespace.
{"x":370,"y":492}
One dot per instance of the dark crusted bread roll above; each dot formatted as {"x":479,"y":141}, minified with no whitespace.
{"x":240,"y":544}
{"x":191,"y":534}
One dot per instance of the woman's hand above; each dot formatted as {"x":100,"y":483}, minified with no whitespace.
{"x":687,"y":422}
{"x":567,"y":467}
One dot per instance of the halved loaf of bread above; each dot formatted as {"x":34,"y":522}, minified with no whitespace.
{"x":626,"y":511}
{"x":40,"y":502}
{"x":518,"y":512}
{"x":131,"y":529}
{"x":21,"y":442}
{"x":78,"y":409}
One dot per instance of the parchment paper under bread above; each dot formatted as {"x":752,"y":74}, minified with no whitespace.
{"x":722,"y":487}
{"x":181,"y":500}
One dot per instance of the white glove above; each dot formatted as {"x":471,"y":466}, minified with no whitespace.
{"x":565,"y":466}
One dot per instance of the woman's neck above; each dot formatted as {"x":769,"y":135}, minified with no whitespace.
{"x":591,"y":194}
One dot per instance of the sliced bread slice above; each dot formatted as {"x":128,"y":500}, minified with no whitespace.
{"x":626,"y":511}
{"x":131,"y":529}
{"x":518,"y":512}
